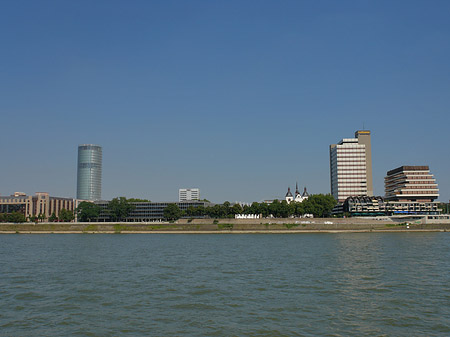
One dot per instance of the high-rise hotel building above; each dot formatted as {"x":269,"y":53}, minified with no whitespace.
{"x":89,"y":177}
{"x":351,"y":167}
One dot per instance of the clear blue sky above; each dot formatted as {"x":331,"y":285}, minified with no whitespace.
{"x":238,"y":98}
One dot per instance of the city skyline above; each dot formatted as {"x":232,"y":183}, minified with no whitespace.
{"x":238,"y":99}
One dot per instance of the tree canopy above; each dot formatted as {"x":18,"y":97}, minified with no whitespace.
{"x":15,"y":217}
{"x":120,"y":208}
{"x":319,"y":205}
{"x":172,"y":212}
{"x":66,"y":215}
{"x":87,"y":211}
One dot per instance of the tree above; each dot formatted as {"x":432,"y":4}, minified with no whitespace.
{"x":66,"y":215}
{"x":53,"y":217}
{"x":120,"y":208}
{"x":172,"y":212}
{"x":87,"y":211}
{"x":319,"y":205}
{"x":16,"y":217}
{"x":236,"y":209}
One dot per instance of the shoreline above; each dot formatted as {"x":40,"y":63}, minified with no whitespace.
{"x":300,"y":231}
{"x":224,"y":226}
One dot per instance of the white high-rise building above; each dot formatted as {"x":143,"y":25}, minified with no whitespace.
{"x":351,"y":167}
{"x":188,"y":194}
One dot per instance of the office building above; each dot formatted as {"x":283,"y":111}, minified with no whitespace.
{"x":351,"y":167}
{"x":188,"y":194}
{"x":411,"y":183}
{"x":146,"y":211}
{"x":376,"y":206}
{"x":89,"y":177}
{"x":42,"y":204}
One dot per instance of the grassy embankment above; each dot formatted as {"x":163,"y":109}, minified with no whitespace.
{"x":219,"y":226}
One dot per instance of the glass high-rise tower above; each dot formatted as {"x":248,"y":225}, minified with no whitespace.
{"x":89,"y":177}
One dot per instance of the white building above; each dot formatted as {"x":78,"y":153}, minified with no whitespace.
{"x":188,"y":194}
{"x":351,"y":167}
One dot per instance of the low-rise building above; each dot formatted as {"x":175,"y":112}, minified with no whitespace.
{"x":41,"y":204}
{"x":148,"y":211}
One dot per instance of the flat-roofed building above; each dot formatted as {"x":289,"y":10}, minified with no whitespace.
{"x":146,"y":211}
{"x":188,"y":194}
{"x":410,"y":183}
{"x":411,"y":190}
{"x":40,"y":204}
{"x":351,"y":167}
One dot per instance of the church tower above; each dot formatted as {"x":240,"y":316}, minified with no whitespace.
{"x":289,"y":196}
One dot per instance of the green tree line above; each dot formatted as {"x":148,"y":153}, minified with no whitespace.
{"x":319,"y":205}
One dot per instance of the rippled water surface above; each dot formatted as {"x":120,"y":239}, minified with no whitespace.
{"x":387,"y":284}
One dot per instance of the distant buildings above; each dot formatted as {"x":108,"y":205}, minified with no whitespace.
{"x":409,"y":190}
{"x":351,"y":167}
{"x":39,"y":205}
{"x":89,"y":174}
{"x":298,"y":196}
{"x":188,"y":194}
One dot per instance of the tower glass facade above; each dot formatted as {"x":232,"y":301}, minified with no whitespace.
{"x":89,"y":177}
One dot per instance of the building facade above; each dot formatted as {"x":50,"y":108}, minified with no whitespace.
{"x":148,"y":211}
{"x":40,"y":204}
{"x":351,"y":167}
{"x":411,"y":190}
{"x":188,"y":194}
{"x":411,"y":183}
{"x":89,"y":174}
{"x":378,"y":206}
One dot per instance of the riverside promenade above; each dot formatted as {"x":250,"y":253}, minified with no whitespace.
{"x":227,"y":226}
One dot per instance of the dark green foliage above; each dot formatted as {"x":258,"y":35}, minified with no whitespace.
{"x":119,"y":208}
{"x":53,"y":217}
{"x":66,"y":215}
{"x":87,"y":211}
{"x":15,"y":217}
{"x":320,"y":205}
{"x":172,"y":212}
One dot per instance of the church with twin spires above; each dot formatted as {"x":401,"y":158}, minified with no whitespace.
{"x":298,"y":197}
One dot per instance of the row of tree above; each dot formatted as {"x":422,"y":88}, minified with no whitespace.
{"x":17,"y":217}
{"x":319,"y":205}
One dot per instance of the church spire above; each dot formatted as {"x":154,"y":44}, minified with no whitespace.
{"x":289,"y":194}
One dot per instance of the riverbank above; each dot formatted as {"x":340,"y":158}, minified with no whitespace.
{"x":225,"y":226}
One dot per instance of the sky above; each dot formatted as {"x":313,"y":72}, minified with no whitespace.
{"x":238,"y":98}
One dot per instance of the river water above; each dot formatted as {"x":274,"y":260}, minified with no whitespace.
{"x":371,"y":284}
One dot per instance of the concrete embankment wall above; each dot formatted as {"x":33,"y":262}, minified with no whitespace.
{"x":223,"y":226}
